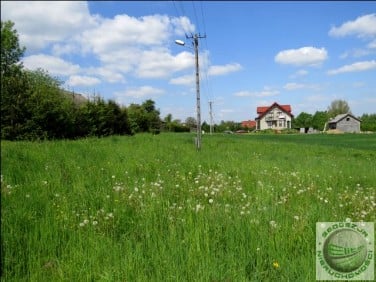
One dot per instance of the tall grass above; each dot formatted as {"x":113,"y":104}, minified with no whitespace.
{"x":152,"y":208}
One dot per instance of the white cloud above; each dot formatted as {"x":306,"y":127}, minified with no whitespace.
{"x":60,"y":49}
{"x":108,"y":73}
{"x":137,"y":45}
{"x":40,"y":23}
{"x":266,"y":92}
{"x":182,"y":25}
{"x":122,"y":44}
{"x":305,"y":56}
{"x":294,"y":86}
{"x":355,"y":67}
{"x":363,"y":26}
{"x":225,"y":69}
{"x":160,"y":63}
{"x":183,"y":80}
{"x":357,"y":53}
{"x":124,"y":31}
{"x":54,"y":65}
{"x":142,"y":92}
{"x":372,"y":44}
{"x":81,"y":80}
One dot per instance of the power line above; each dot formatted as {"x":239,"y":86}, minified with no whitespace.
{"x":203,"y":18}
{"x":194,"y":11}
{"x":181,"y":11}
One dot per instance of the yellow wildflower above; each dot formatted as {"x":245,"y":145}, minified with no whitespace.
{"x":276,"y":264}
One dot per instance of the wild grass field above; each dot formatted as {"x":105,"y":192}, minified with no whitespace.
{"x":152,"y":208}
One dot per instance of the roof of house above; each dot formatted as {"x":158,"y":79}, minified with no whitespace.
{"x":341,"y":117}
{"x":249,"y":123}
{"x":263,"y":110}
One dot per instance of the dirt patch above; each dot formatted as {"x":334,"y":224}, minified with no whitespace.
{"x":334,"y":131}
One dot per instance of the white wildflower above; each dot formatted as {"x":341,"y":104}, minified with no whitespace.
{"x":273,"y":224}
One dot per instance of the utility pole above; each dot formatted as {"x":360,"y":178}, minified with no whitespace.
{"x":211,"y":117}
{"x":198,"y":106}
{"x":195,"y":39}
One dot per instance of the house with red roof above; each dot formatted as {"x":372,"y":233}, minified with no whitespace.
{"x":248,"y":124}
{"x":275,"y":116}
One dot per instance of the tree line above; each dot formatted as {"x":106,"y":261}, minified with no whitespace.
{"x":320,"y":118}
{"x":34,"y":106}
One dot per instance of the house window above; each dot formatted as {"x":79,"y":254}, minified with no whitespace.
{"x":280,"y":123}
{"x":347,"y":119}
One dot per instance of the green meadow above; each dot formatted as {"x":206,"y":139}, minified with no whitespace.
{"x":152,"y":208}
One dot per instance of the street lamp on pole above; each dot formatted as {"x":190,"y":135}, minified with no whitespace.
{"x":198,"y":106}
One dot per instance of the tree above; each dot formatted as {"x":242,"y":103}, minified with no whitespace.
{"x":152,"y":116}
{"x":51,"y":112}
{"x":168,"y":122}
{"x":13,"y":83}
{"x":190,"y":122}
{"x":205,"y":127}
{"x":338,"y":107}
{"x":368,"y":122}
{"x":303,"y":120}
{"x":319,"y":119}
{"x":137,"y":118}
{"x":11,"y":52}
{"x":227,"y":125}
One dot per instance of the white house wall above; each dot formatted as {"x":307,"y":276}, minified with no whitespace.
{"x":274,"y":117}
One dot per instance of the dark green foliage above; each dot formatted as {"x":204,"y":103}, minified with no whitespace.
{"x":50,"y":113}
{"x":302,"y":120}
{"x":368,"y":122}
{"x":100,"y":118}
{"x":33,"y":106}
{"x":227,"y":125}
{"x":144,"y":117}
{"x":11,"y":51}
{"x":319,"y":119}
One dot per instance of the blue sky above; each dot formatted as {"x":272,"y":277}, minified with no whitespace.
{"x":305,"y":54}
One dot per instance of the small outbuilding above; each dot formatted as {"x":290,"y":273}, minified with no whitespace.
{"x":345,"y":123}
